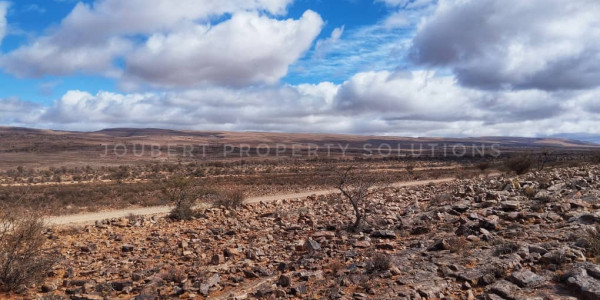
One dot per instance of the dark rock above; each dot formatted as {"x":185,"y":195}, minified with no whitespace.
{"x":120,"y":285}
{"x":284,"y":281}
{"x":127,"y":248}
{"x":439,"y":246}
{"x":384,"y":234}
{"x":250,"y":274}
{"x":311,"y":245}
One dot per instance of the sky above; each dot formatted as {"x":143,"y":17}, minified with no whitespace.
{"x":453,"y":68}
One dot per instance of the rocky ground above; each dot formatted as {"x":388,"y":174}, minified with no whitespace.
{"x":530,"y":237}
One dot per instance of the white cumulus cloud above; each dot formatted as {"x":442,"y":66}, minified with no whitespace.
{"x":251,"y":47}
{"x":246,"y":49}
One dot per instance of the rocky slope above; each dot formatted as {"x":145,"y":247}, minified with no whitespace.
{"x":503,"y":238}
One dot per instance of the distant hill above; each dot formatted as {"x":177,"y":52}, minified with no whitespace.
{"x":14,"y":136}
{"x":40,"y":147}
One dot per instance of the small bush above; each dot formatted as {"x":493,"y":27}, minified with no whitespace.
{"x":182,"y":212}
{"x":232,"y":198}
{"x":482,"y":166}
{"x":379,"y":263}
{"x":596,"y":157}
{"x":23,"y":259}
{"x":336,"y":267}
{"x":530,"y":192}
{"x":519,"y":164}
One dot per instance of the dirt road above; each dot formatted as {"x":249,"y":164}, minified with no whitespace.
{"x":90,"y":218}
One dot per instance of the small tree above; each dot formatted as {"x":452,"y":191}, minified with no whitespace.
{"x":543,"y":158}
{"x":357,"y":188}
{"x":183,"y":194}
{"x":410,"y":169}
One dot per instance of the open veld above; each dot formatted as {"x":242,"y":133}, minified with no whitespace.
{"x":248,"y":215}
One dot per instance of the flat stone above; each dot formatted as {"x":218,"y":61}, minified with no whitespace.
{"x":584,"y":285}
{"x":384,"y":234}
{"x":505,"y":289}
{"x":526,"y":278}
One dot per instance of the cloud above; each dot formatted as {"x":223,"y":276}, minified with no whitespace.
{"x":3,"y":10}
{"x":47,"y":88}
{"x":246,"y":49}
{"x":214,"y":107}
{"x":417,"y":103}
{"x":324,"y":46}
{"x":16,"y":112}
{"x":34,"y":8}
{"x":406,"y":96}
{"x":397,"y":20}
{"x":408,"y":3}
{"x":49,"y":56}
{"x":495,"y":44}
{"x":93,"y":38}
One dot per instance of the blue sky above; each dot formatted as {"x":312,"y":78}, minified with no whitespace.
{"x":385,"y":67}
{"x":30,"y":18}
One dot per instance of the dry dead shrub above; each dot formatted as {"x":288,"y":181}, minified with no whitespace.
{"x":592,"y":241}
{"x":519,"y":164}
{"x":505,"y":247}
{"x":483,"y":165}
{"x":173,"y":274}
{"x":230,"y":198}
{"x":441,"y":199}
{"x":23,"y":259}
{"x":357,"y":187}
{"x":460,"y":245}
{"x":379,"y":263}
{"x":530,"y":192}
{"x":336,"y":266}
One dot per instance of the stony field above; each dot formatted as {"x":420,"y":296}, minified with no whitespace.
{"x":528,"y":237}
